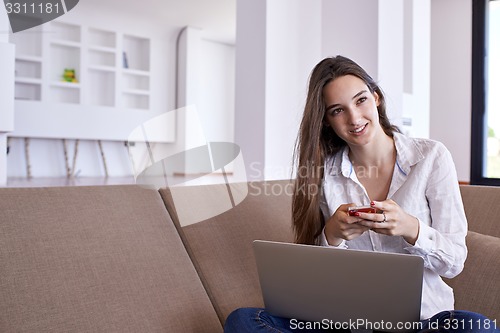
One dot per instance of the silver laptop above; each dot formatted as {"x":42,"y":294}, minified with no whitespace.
{"x":337,"y":288}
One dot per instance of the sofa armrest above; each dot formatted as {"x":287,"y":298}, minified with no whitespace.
{"x":477,"y":287}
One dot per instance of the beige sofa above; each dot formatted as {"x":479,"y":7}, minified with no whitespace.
{"x":116,"y":258}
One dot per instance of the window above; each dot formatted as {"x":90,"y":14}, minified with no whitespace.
{"x":485,"y":150}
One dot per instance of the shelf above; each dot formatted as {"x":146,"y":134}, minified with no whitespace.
{"x":65,"y":43}
{"x":134,"y":101}
{"x":28,"y":43}
{"x":135,"y":72}
{"x":102,"y":68}
{"x":102,"y":38}
{"x":30,"y":91}
{"x":61,"y":93}
{"x":136,"y":92}
{"x":62,"y":57}
{"x":29,"y":58}
{"x":62,"y":84}
{"x":134,"y":48}
{"x":135,"y":82}
{"x":27,"y":80}
{"x":65,"y":32}
{"x":101,"y":86}
{"x":28,"y":69}
{"x":102,"y":49}
{"x":100,"y":58}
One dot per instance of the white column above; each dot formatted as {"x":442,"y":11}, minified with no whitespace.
{"x":417,"y":67}
{"x":450,"y":116}
{"x":390,"y":56}
{"x":6,"y":93}
{"x":277,"y":44}
{"x":250,"y":84}
{"x":370,"y":32}
{"x":293,"y":48}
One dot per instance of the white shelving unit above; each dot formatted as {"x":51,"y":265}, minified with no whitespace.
{"x":112,"y":69}
{"x":111,"y":95}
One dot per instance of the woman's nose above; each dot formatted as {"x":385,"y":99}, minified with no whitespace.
{"x":354,"y":117}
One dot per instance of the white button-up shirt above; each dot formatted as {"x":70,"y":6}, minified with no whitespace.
{"x":425,"y":185}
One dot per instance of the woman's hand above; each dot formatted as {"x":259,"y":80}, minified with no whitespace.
{"x":393,"y":221}
{"x":341,"y":226}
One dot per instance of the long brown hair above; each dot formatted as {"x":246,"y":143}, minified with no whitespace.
{"x":315,"y":141}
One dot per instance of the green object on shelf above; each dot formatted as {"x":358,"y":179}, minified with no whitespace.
{"x":69,"y":75}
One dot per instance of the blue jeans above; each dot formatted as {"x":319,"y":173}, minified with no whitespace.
{"x":259,"y":320}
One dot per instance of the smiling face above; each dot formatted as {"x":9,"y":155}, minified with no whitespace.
{"x":351,"y":110}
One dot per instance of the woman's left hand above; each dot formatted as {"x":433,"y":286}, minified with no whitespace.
{"x":393,"y":221}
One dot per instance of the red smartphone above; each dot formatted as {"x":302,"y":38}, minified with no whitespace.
{"x":361,"y":209}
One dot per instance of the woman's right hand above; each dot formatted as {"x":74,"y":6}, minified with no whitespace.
{"x":341,"y":226}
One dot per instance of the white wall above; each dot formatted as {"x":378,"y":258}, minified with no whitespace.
{"x":350,"y":28}
{"x":268,"y":107}
{"x":375,"y":42}
{"x":293,"y":47}
{"x":294,"y":38}
{"x":434,"y":54}
{"x":47,"y":155}
{"x":423,"y":66}
{"x":450,"y":114}
{"x":391,"y":56}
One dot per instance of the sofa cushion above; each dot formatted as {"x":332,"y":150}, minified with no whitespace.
{"x":482,"y":208}
{"x":96,"y":259}
{"x":221,"y":246}
{"x":476,"y":288}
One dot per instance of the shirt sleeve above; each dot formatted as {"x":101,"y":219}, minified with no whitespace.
{"x":324,"y":242}
{"x":442,"y":244}
{"x":326,"y":214}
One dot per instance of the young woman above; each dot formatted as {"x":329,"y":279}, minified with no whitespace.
{"x":349,"y":154}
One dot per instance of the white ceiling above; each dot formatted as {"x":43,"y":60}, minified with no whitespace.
{"x":217,"y":18}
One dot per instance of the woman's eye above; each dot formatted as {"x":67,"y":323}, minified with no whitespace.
{"x":361,"y":100}
{"x":336,"y":111}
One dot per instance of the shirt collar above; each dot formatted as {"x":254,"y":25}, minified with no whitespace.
{"x":339,"y":163}
{"x":407,"y":155}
